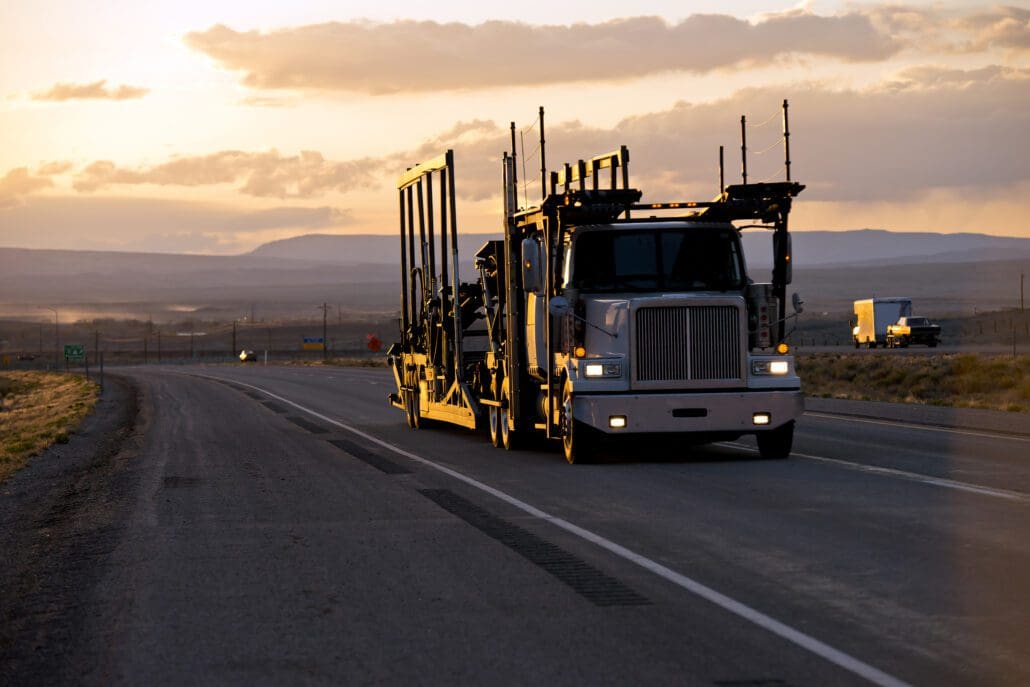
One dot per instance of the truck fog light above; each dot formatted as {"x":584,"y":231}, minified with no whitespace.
{"x":617,"y":421}
{"x":594,"y":370}
{"x":761,"y":418}
{"x":779,"y":367}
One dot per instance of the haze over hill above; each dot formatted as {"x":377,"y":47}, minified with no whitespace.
{"x":949,"y":273}
{"x":811,"y":248}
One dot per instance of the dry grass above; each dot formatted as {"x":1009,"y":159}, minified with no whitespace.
{"x":378,"y":361}
{"x":38,"y":409}
{"x":967,"y":381}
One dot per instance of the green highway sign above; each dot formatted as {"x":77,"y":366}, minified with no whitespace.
{"x":74,"y":351}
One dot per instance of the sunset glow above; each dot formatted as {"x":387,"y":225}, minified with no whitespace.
{"x":214,"y":127}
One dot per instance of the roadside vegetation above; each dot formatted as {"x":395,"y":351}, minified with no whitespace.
{"x":355,"y":361}
{"x":38,"y":409}
{"x":998,"y":382}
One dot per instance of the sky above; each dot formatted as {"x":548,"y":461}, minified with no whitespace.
{"x":213,"y":127}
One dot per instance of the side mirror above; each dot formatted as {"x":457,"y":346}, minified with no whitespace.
{"x":559,"y":306}
{"x":796,"y":301}
{"x":532,"y":266}
{"x":782,"y":258}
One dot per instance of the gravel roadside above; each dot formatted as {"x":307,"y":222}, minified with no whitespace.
{"x":59,"y":519}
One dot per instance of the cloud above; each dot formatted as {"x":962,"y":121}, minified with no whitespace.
{"x":263,"y":174}
{"x":90,"y":91}
{"x":926,"y":128}
{"x":150,"y":224}
{"x":1003,"y":27}
{"x":416,"y":56}
{"x":17,"y":184}
{"x":54,"y":168}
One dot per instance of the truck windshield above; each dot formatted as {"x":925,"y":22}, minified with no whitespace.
{"x":675,"y":259}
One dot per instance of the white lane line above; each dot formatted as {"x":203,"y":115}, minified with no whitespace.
{"x":807,"y":642}
{"x":914,"y":425}
{"x":903,"y":474}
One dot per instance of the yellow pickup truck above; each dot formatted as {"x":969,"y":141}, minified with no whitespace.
{"x":913,"y":330}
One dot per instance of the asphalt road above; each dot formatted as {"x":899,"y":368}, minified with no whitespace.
{"x":288,"y":527}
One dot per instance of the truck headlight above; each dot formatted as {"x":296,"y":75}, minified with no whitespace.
{"x":602,"y":370}
{"x":770,"y":367}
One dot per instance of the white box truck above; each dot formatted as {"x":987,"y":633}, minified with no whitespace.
{"x":873,"y":316}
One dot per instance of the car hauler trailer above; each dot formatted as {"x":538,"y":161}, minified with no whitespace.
{"x":596,"y":315}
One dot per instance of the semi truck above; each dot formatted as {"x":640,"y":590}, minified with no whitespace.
{"x":873,"y":316}
{"x":595,"y":315}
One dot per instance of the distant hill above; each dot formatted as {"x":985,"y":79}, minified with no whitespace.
{"x":880,"y":247}
{"x":811,"y":248}
{"x":944,"y":272}
{"x":369,"y":248}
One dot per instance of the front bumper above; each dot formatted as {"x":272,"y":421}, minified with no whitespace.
{"x":730,"y":412}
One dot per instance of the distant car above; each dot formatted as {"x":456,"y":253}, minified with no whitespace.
{"x":248,"y":356}
{"x":913,"y":330}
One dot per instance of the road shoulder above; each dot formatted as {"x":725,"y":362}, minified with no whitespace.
{"x":59,"y":520}
{"x":972,"y":419}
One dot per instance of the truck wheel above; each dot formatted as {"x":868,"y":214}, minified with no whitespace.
{"x":856,"y":342}
{"x":905,"y":342}
{"x":494,"y":418}
{"x":576,"y":440}
{"x":418,"y":421}
{"x":509,"y":437}
{"x":776,"y":444}
{"x":409,"y":408}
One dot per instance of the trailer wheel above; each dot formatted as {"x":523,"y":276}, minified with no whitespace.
{"x":576,"y":440}
{"x":418,"y":422}
{"x":509,"y":437}
{"x":494,"y":421}
{"x":409,"y":408}
{"x":776,"y":444}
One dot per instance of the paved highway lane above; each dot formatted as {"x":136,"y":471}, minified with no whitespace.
{"x":290,"y":527}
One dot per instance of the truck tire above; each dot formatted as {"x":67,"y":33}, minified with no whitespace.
{"x":905,"y":341}
{"x":418,"y":421}
{"x":409,"y":407}
{"x":509,"y":437}
{"x":494,"y":423}
{"x":856,"y":342}
{"x":776,"y":444}
{"x":577,"y":440}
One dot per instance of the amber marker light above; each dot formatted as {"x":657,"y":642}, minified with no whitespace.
{"x":782,"y":348}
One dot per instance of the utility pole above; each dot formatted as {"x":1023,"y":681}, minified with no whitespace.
{"x":96,"y":342}
{"x":57,"y":336}
{"x":325,"y":340}
{"x":234,"y":337}
{"x":1022,"y":276}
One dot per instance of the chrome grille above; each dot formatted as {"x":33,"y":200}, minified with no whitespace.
{"x":688,"y":343}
